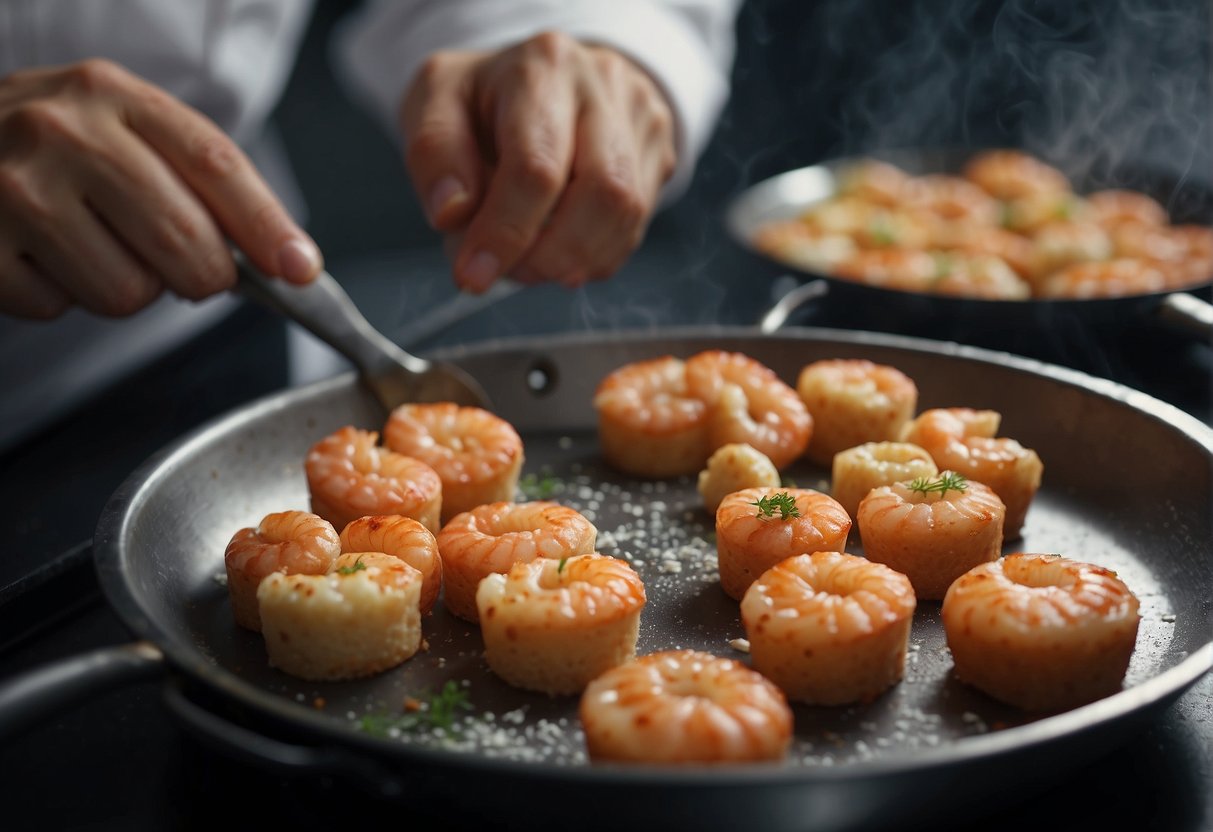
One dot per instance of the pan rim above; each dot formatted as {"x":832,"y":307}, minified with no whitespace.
{"x":122,"y":507}
{"x":737,"y":229}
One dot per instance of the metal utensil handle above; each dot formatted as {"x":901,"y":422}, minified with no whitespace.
{"x":26,"y":700}
{"x":323,"y":308}
{"x":801,"y":295}
{"x":226,"y":737}
{"x":1189,"y":313}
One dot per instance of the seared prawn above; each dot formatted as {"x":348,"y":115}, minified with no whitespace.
{"x":290,"y":542}
{"x":874,"y":181}
{"x":493,"y":537}
{"x":953,"y":199}
{"x":358,"y":620}
{"x":748,"y":403}
{"x":404,"y":538}
{"x":649,"y":423}
{"x":963,"y":440}
{"x":476,"y":454}
{"x":1116,"y":207}
{"x":684,"y":706}
{"x":804,"y":246}
{"x":1041,"y":632}
{"x":931,"y":529}
{"x":554,"y":625}
{"x":1105,"y":279}
{"x":758,"y":527}
{"x":829,"y":628}
{"x":852,"y":401}
{"x":1010,"y":174}
{"x":350,"y":476}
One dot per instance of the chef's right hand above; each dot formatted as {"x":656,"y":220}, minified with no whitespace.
{"x":111,"y":191}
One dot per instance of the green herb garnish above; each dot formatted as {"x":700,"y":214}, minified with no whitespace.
{"x":357,"y":566}
{"x":432,"y":711}
{"x":945,"y":482}
{"x":538,"y":488}
{"x":783,"y":502}
{"x":944,"y":264}
{"x":882,"y":232}
{"x":560,"y":568}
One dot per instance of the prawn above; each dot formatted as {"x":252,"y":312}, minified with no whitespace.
{"x":684,"y":706}
{"x":748,"y":403}
{"x":758,"y":527}
{"x":962,"y":439}
{"x":404,"y":538}
{"x":493,"y":537}
{"x":649,"y":424}
{"x":554,"y":625}
{"x":350,"y":476}
{"x":290,"y":542}
{"x":1009,"y":174}
{"x":1041,"y":632}
{"x":853,"y":401}
{"x":475,"y":453}
{"x":829,"y":628}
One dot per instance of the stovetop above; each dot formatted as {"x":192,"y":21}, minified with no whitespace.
{"x":122,"y":761}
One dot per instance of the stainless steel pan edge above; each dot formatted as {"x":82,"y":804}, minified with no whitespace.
{"x":115,"y":576}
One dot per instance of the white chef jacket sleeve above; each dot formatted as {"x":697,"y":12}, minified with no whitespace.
{"x":685,"y":45}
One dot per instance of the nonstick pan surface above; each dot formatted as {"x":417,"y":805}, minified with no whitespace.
{"x":1127,"y":484}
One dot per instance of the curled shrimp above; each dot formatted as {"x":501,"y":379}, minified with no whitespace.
{"x":931,"y":536}
{"x":852,"y":401}
{"x":1115,"y":207}
{"x":1105,"y":279}
{"x":649,"y":424}
{"x":829,"y":628}
{"x":1196,"y":264}
{"x":358,"y":620}
{"x":804,"y":246}
{"x":953,"y":199}
{"x":979,"y":276}
{"x":684,"y":706}
{"x":906,"y":270}
{"x":350,"y":476}
{"x":1028,"y":214}
{"x":476,"y":454}
{"x":1041,"y":632}
{"x":553,"y":626}
{"x":493,"y":537}
{"x":858,"y":470}
{"x":749,"y":541}
{"x":874,"y":181}
{"x":1059,"y":244}
{"x":748,"y":403}
{"x":1010,"y":174}
{"x":291,"y":542}
{"x":1015,"y":249}
{"x":404,"y":538}
{"x":963,"y":440}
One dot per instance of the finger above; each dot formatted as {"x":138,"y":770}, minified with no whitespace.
{"x":601,"y":217}
{"x":533,"y":138}
{"x":442,"y":154}
{"x":26,"y":293}
{"x":226,"y":182}
{"x":158,"y":218}
{"x":84,"y":259}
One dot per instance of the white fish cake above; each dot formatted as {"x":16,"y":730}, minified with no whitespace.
{"x":362,"y":618}
{"x":854,"y":401}
{"x":554,"y":625}
{"x":858,"y":470}
{"x":734,"y":467}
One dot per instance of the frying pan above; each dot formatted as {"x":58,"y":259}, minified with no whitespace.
{"x":788,"y":194}
{"x":1127,"y":484}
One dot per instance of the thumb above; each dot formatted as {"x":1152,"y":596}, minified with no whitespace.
{"x":441,"y":152}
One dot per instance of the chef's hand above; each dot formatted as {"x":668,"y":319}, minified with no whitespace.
{"x":111,"y":191}
{"x":546,"y":159}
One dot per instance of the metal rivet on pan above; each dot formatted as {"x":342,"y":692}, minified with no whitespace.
{"x":542,"y":377}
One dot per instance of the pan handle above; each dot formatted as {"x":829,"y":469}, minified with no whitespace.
{"x":1189,"y":313}
{"x":801,"y":295}
{"x":226,"y":737}
{"x":26,"y":700}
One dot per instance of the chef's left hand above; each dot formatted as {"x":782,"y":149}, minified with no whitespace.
{"x":545,"y":159}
